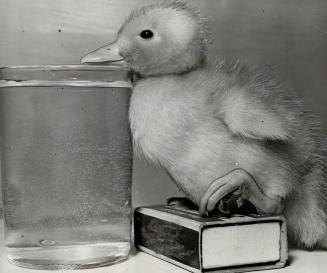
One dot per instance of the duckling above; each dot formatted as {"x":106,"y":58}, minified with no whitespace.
{"x":219,"y":127}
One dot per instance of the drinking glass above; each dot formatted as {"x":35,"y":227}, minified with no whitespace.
{"x":66,"y":163}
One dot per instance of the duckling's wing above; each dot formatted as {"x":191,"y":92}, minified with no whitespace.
{"x":254,"y":105}
{"x":249,"y":117}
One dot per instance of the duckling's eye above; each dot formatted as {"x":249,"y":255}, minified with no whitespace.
{"x":146,"y":34}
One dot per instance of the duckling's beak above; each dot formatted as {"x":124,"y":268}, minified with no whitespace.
{"x":108,"y":53}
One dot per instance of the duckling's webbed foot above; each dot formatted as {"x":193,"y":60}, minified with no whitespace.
{"x":238,"y":186}
{"x":181,"y":203}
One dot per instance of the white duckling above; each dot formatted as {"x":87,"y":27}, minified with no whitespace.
{"x":217,"y":128}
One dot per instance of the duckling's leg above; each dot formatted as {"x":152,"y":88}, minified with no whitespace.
{"x":181,"y":202}
{"x":240,"y":179}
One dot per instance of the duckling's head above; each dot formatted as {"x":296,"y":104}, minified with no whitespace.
{"x":165,"y":38}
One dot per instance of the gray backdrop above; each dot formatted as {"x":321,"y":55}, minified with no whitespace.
{"x":289,"y":35}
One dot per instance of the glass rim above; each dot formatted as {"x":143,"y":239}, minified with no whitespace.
{"x":21,"y":81}
{"x":101,"y":84}
{"x":55,"y":67}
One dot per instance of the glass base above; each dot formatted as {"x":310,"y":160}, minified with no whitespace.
{"x":69,"y":257}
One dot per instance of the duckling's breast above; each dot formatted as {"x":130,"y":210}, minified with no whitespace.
{"x":161,"y":119}
{"x":173,"y":127}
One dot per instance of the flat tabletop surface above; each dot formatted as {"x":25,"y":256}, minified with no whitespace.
{"x":300,"y":261}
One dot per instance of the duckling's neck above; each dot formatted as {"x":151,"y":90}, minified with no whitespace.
{"x":173,"y":67}
{"x":164,"y":74}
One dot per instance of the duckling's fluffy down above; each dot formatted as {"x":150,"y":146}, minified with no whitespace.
{"x":202,"y":120}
